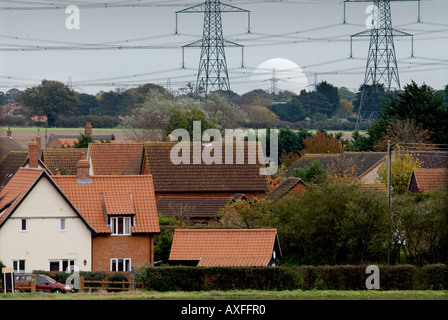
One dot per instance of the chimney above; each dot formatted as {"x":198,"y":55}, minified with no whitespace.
{"x":39,"y":141}
{"x":58,"y":172}
{"x":33,"y":154}
{"x":83,"y":168}
{"x":88,"y":129}
{"x":9,"y":133}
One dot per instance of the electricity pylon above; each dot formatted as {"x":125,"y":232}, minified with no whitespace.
{"x":381,"y":68}
{"x":212,"y":72}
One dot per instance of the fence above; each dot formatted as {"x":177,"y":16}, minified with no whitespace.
{"x":31,"y":288}
{"x":90,"y":285}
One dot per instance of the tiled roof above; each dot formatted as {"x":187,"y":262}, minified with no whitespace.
{"x":16,"y":189}
{"x":429,"y":159}
{"x":95,"y":137}
{"x":205,"y":207}
{"x":116,"y":158}
{"x":224,"y":247}
{"x":429,"y":179}
{"x":65,"y":159}
{"x":202,"y":177}
{"x":362,"y":162}
{"x":284,"y":187}
{"x":9,"y":166}
{"x":7,"y":144}
{"x":87,"y":198}
{"x":374,"y":187}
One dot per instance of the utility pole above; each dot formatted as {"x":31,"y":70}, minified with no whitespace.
{"x":381,"y":69}
{"x":212,"y":72}
{"x":389,"y":199}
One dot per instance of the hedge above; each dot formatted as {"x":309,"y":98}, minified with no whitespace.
{"x":182,"y":278}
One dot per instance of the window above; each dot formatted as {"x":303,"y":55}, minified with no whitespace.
{"x":63,"y":224}
{"x":120,"y":264}
{"x":121,"y":225}
{"x":61,"y":265}
{"x":24,"y":225}
{"x":19,"y":266}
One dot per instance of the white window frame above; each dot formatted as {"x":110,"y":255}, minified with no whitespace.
{"x":70,"y":262}
{"x":62,"y":224}
{"x":16,"y":265}
{"x":114,"y":262}
{"x":126,"y":229}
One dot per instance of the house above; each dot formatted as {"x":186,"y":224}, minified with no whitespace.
{"x":116,"y":158}
{"x":195,"y":210}
{"x":424,"y":180}
{"x":225,"y":247}
{"x":192,"y":179}
{"x":121,"y":210}
{"x":287,"y":187}
{"x":98,"y":223}
{"x":70,"y":140}
{"x":40,"y":229}
{"x":364,"y":165}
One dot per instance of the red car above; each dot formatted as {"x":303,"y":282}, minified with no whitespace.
{"x":43,"y":283}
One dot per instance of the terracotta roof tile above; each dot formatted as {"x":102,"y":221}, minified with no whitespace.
{"x":116,"y":158}
{"x":430,"y":179}
{"x":207,"y":207}
{"x":374,"y":187}
{"x":224,"y":247}
{"x":65,"y":159}
{"x":86,"y":197}
{"x":16,"y":189}
{"x":170,"y":177}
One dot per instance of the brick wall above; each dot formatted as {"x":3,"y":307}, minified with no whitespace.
{"x":139,"y":248}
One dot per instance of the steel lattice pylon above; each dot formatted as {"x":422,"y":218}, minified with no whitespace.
{"x":381,"y":68}
{"x":212,"y":72}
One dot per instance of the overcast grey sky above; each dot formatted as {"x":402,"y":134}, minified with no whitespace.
{"x":309,"y":33}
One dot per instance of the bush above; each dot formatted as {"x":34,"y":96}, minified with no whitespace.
{"x":350,"y":277}
{"x":119,"y":278}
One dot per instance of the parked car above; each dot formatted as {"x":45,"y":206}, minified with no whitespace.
{"x":43,"y":283}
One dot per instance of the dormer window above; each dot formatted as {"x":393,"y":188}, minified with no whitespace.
{"x":120,"y":225}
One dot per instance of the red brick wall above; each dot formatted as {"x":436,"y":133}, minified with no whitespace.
{"x":139,"y":248}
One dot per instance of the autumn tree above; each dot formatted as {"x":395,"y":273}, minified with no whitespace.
{"x":345,"y":109}
{"x":322,"y":143}
{"x":244,"y":213}
{"x":405,"y":132}
{"x":402,"y":165}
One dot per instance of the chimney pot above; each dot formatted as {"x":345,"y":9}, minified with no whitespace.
{"x":58,"y":172}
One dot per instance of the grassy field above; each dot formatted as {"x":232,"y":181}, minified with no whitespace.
{"x":238,"y":295}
